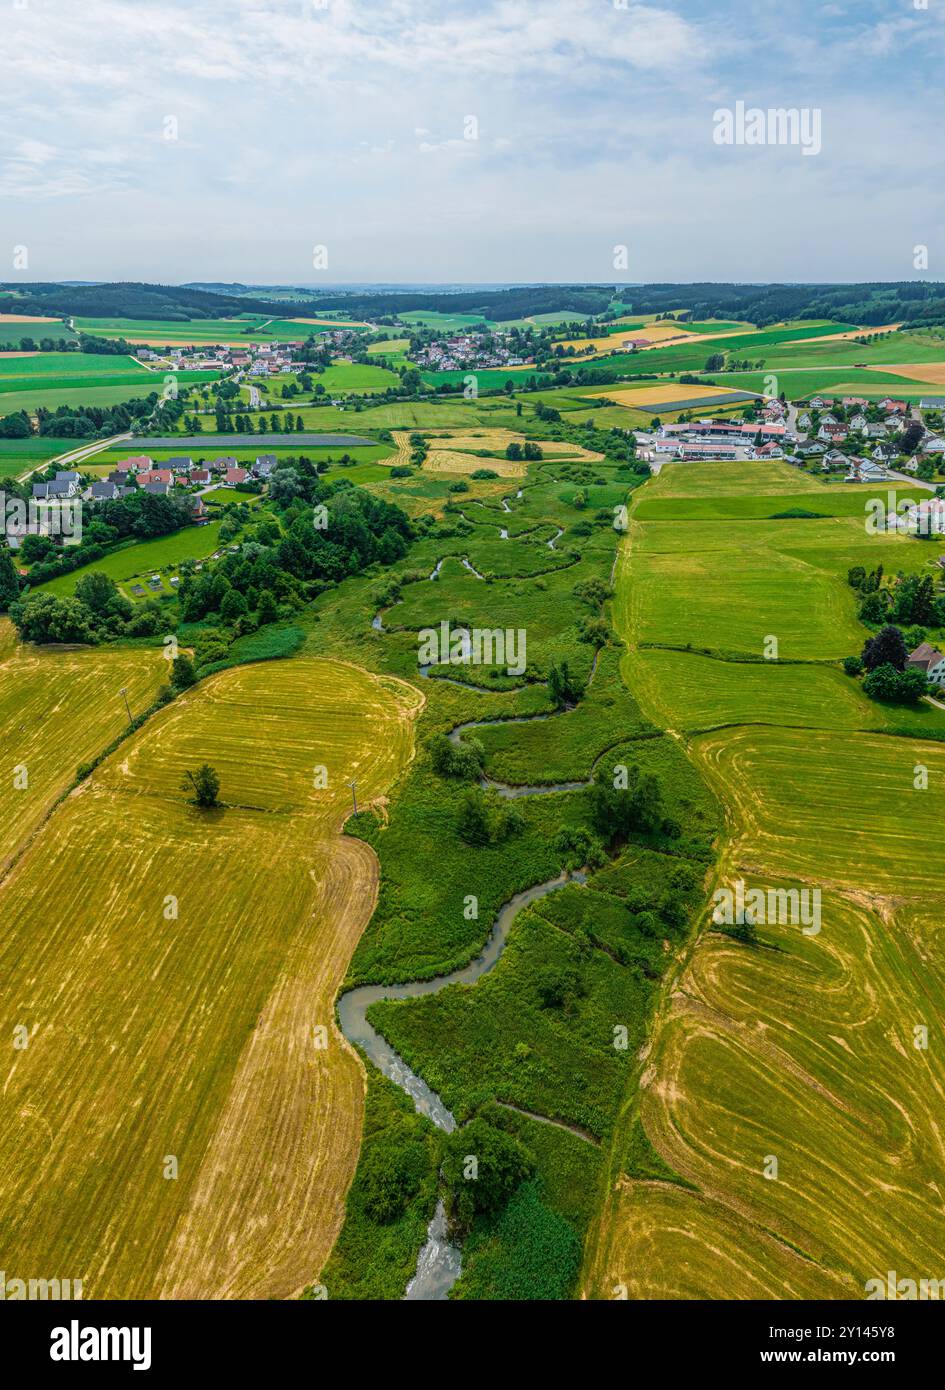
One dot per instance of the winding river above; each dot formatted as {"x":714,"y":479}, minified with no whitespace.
{"x":439,"y":1264}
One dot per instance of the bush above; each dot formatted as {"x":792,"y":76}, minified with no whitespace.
{"x":390,"y":1176}
{"x":896,"y":687}
{"x":463,"y":761}
{"x":482,"y":1168}
{"x":853,"y":665}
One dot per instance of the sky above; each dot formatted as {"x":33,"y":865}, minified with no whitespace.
{"x":318,"y":142}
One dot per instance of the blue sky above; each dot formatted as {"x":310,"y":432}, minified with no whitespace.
{"x":345,"y":124}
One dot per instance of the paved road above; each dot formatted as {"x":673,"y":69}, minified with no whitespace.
{"x":913,"y":482}
{"x":73,"y":456}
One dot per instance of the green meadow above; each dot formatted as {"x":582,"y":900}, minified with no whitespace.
{"x":144,"y":558}
{"x":798,"y":1046}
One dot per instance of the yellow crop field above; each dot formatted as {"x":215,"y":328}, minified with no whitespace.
{"x":933,"y":372}
{"x":185,"y":1119}
{"x":449,"y":461}
{"x":447,"y":453}
{"x":657,"y":395}
{"x":59,"y":706}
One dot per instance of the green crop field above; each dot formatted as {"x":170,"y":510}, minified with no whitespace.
{"x":343,"y":378}
{"x":66,"y":367}
{"x":17,"y":455}
{"x":804,"y":1054}
{"x":12,"y":334}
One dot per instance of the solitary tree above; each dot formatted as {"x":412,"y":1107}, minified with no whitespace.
{"x":205,"y":784}
{"x":183,"y":673}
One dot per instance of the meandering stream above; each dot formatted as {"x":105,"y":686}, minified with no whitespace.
{"x":439,"y":1264}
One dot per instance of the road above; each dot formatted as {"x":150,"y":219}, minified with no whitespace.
{"x":73,"y":455}
{"x":253,"y":396}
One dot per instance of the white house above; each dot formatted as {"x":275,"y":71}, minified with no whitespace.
{"x":929,"y":660}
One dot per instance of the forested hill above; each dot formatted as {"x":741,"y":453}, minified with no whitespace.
{"x":127,"y":300}
{"x":909,"y":301}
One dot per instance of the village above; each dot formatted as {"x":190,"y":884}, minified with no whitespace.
{"x":861,"y":440}
{"x":139,"y":473}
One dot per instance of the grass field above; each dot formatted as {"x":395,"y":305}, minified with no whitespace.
{"x":52,"y":379}
{"x":350,"y":377}
{"x":16,"y":455}
{"x":144,"y":558}
{"x":801,"y":1050}
{"x":194,"y":1034}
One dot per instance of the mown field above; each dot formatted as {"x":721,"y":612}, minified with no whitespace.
{"x":58,"y":707}
{"x":173,"y":996}
{"x":144,"y":558}
{"x":802,"y":1049}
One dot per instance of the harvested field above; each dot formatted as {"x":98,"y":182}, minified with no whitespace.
{"x":933,"y":372}
{"x":449,"y":461}
{"x":672,"y":395}
{"x":58,"y":707}
{"x":180,"y":1123}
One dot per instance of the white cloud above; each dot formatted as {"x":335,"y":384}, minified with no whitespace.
{"x":298,"y":124}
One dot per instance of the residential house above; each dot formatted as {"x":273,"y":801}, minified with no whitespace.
{"x":105,"y":491}
{"x":178,"y":465}
{"x":233,"y":476}
{"x":935,"y":444}
{"x":264,"y":465}
{"x":46,"y":492}
{"x":157,"y":489}
{"x":164,"y":476}
{"x":929,"y":660}
{"x":200,"y":477}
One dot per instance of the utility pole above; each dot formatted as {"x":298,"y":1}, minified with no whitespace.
{"x":354,"y":795}
{"x":124,"y":694}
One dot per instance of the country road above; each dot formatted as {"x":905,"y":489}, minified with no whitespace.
{"x":73,"y":455}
